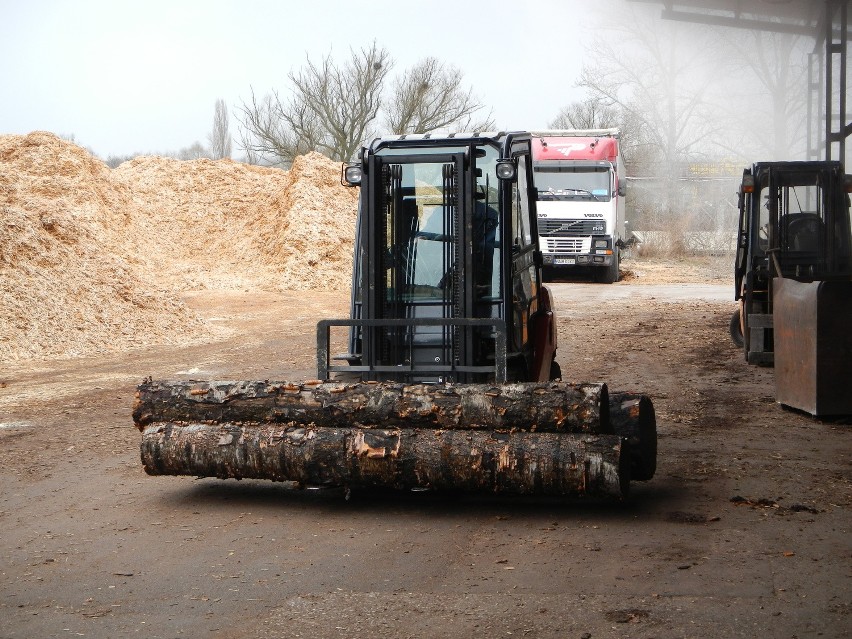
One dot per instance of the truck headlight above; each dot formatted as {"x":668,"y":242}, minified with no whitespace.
{"x":601,"y":243}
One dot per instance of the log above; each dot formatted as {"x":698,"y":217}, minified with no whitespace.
{"x":542,"y":463}
{"x":541,"y":406}
{"x":632,"y":417}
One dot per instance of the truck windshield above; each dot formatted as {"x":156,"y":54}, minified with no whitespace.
{"x":571,"y":183}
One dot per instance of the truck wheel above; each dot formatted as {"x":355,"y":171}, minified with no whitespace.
{"x":736,"y":330}
{"x":609,"y":274}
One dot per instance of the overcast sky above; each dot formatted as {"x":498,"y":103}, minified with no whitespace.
{"x":128,"y":76}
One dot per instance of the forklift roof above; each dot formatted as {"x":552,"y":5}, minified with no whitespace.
{"x":426,"y":140}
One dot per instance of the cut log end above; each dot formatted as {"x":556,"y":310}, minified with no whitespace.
{"x":633,"y":418}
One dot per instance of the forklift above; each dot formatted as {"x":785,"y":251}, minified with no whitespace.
{"x":449,"y":380}
{"x":793,"y":280}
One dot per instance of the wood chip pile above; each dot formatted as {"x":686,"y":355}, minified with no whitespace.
{"x":94,"y":259}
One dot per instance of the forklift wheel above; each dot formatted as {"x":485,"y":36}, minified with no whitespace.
{"x":555,"y":370}
{"x":735,"y":329}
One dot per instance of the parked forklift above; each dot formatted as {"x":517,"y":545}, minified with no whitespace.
{"x":793,"y":281}
{"x":449,"y":380}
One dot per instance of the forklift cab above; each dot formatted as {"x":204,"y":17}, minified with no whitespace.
{"x":447,"y":272}
{"x":794,"y":224}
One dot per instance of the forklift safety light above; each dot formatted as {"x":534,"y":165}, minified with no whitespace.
{"x":352,"y":175}
{"x":748,"y":184}
{"x":506,"y":169}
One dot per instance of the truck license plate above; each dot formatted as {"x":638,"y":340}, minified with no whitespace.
{"x":564,"y":260}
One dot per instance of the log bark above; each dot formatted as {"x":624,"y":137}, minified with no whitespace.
{"x":632,"y":417}
{"x":459,"y":460}
{"x":542,"y":407}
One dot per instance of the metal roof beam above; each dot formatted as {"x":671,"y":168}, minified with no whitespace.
{"x":741,"y":23}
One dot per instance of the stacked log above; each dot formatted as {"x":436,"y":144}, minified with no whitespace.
{"x":538,"y":438}
{"x":540,"y":406}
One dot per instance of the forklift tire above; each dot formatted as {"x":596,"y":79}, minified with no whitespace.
{"x":736,"y":330}
{"x":555,"y":370}
{"x":516,"y":371}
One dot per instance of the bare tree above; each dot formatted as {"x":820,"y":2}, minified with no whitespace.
{"x":659,"y":84}
{"x":596,"y":112}
{"x":341,"y":101}
{"x":114,"y":161}
{"x":220,"y":136}
{"x":194,"y":151}
{"x":272,"y":135}
{"x":333,"y":108}
{"x":701,"y":100}
{"x":769,"y":114}
{"x":330,"y":109}
{"x":657,"y":73}
{"x":430,"y":96}
{"x":591,"y":113}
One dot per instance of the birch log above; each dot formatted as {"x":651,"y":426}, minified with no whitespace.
{"x":540,"y":406}
{"x":459,"y":460}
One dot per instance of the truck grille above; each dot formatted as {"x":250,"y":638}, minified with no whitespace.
{"x":562,"y":245}
{"x":571,"y":227}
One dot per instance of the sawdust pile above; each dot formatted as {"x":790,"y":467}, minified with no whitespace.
{"x":94,"y":259}
{"x":309,"y":227}
{"x":225,"y":225}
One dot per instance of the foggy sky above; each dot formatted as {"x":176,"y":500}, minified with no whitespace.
{"x":127,"y":76}
{"x":143,"y":76}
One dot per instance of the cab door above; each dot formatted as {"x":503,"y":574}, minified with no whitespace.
{"x":525,"y":269}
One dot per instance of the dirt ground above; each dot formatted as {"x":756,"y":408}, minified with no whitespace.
{"x":743,"y":532}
